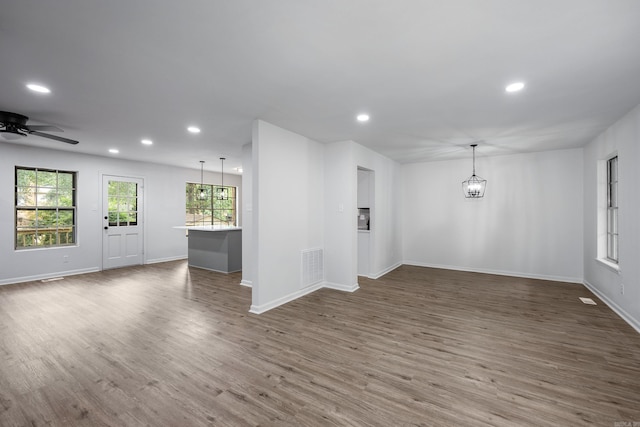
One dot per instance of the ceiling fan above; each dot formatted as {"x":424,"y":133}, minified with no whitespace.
{"x":15,"y":125}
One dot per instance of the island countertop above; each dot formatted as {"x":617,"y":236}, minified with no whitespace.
{"x":206,"y":228}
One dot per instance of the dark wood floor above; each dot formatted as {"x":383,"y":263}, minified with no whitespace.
{"x":165,"y":345}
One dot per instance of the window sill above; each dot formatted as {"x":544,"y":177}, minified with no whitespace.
{"x":44,"y":248}
{"x":610,"y":265}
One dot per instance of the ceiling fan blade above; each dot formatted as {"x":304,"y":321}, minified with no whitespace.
{"x":57,"y":138}
{"x":49,"y":128}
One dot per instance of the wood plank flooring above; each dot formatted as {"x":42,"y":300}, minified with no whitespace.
{"x":166,"y":345}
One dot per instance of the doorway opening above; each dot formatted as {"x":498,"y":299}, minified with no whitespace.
{"x":366,"y":219}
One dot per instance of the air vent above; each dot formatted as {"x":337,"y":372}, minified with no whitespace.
{"x":312,"y":267}
{"x":53,"y":279}
{"x":588,"y":301}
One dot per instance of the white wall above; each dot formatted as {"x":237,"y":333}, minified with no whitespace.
{"x":321,"y":212}
{"x":247,"y":216}
{"x":164,"y":204}
{"x":386,"y":210}
{"x":288,"y":214}
{"x":340,"y":194}
{"x":528,"y":224}
{"x":622,"y":138}
{"x":341,"y":238}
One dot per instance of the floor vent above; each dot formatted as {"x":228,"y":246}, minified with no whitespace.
{"x":588,"y":301}
{"x":312,"y":267}
{"x":53,"y":279}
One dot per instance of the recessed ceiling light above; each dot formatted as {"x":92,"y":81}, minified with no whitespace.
{"x":147,"y":141}
{"x":193,"y":129}
{"x":114,"y":150}
{"x":38,"y":88}
{"x":515,"y":87}
{"x":363,"y":117}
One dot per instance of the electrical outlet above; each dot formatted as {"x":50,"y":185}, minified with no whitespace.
{"x":65,"y":259}
{"x":621,"y":289}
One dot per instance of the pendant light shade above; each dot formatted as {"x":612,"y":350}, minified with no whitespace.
{"x":474,"y":186}
{"x":221,"y":192}
{"x":202,"y":194}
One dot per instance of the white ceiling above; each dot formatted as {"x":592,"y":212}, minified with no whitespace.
{"x":430,"y":73}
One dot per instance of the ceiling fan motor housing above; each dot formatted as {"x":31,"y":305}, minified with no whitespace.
{"x":13,"y":123}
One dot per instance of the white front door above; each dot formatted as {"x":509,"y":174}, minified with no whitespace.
{"x":122,"y":236}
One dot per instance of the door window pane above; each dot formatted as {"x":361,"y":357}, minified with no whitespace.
{"x":123,"y":203}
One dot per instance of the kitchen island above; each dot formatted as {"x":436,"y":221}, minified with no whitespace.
{"x":215,"y":248}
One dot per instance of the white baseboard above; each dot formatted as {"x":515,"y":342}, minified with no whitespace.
{"x":635,"y":323}
{"x":159,"y":260}
{"x":259,"y":309}
{"x":578,"y":280}
{"x":352,"y":288}
{"x":247,"y":283}
{"x":385,"y":271}
{"x":341,"y":287}
{"x":48,"y":276}
{"x":214,"y":270}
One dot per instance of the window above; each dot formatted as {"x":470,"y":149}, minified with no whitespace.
{"x":209,"y":210}
{"x":45,"y":202}
{"x":612,"y":209}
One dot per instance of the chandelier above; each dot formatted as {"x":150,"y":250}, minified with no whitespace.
{"x":474,"y":186}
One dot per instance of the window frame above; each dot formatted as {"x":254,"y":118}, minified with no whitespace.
{"x":208,"y":204}
{"x":612,"y":224}
{"x":39,"y":189}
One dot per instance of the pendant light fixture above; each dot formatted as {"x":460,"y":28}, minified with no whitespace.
{"x":203,"y":193}
{"x":474,"y":186}
{"x":221,"y":192}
